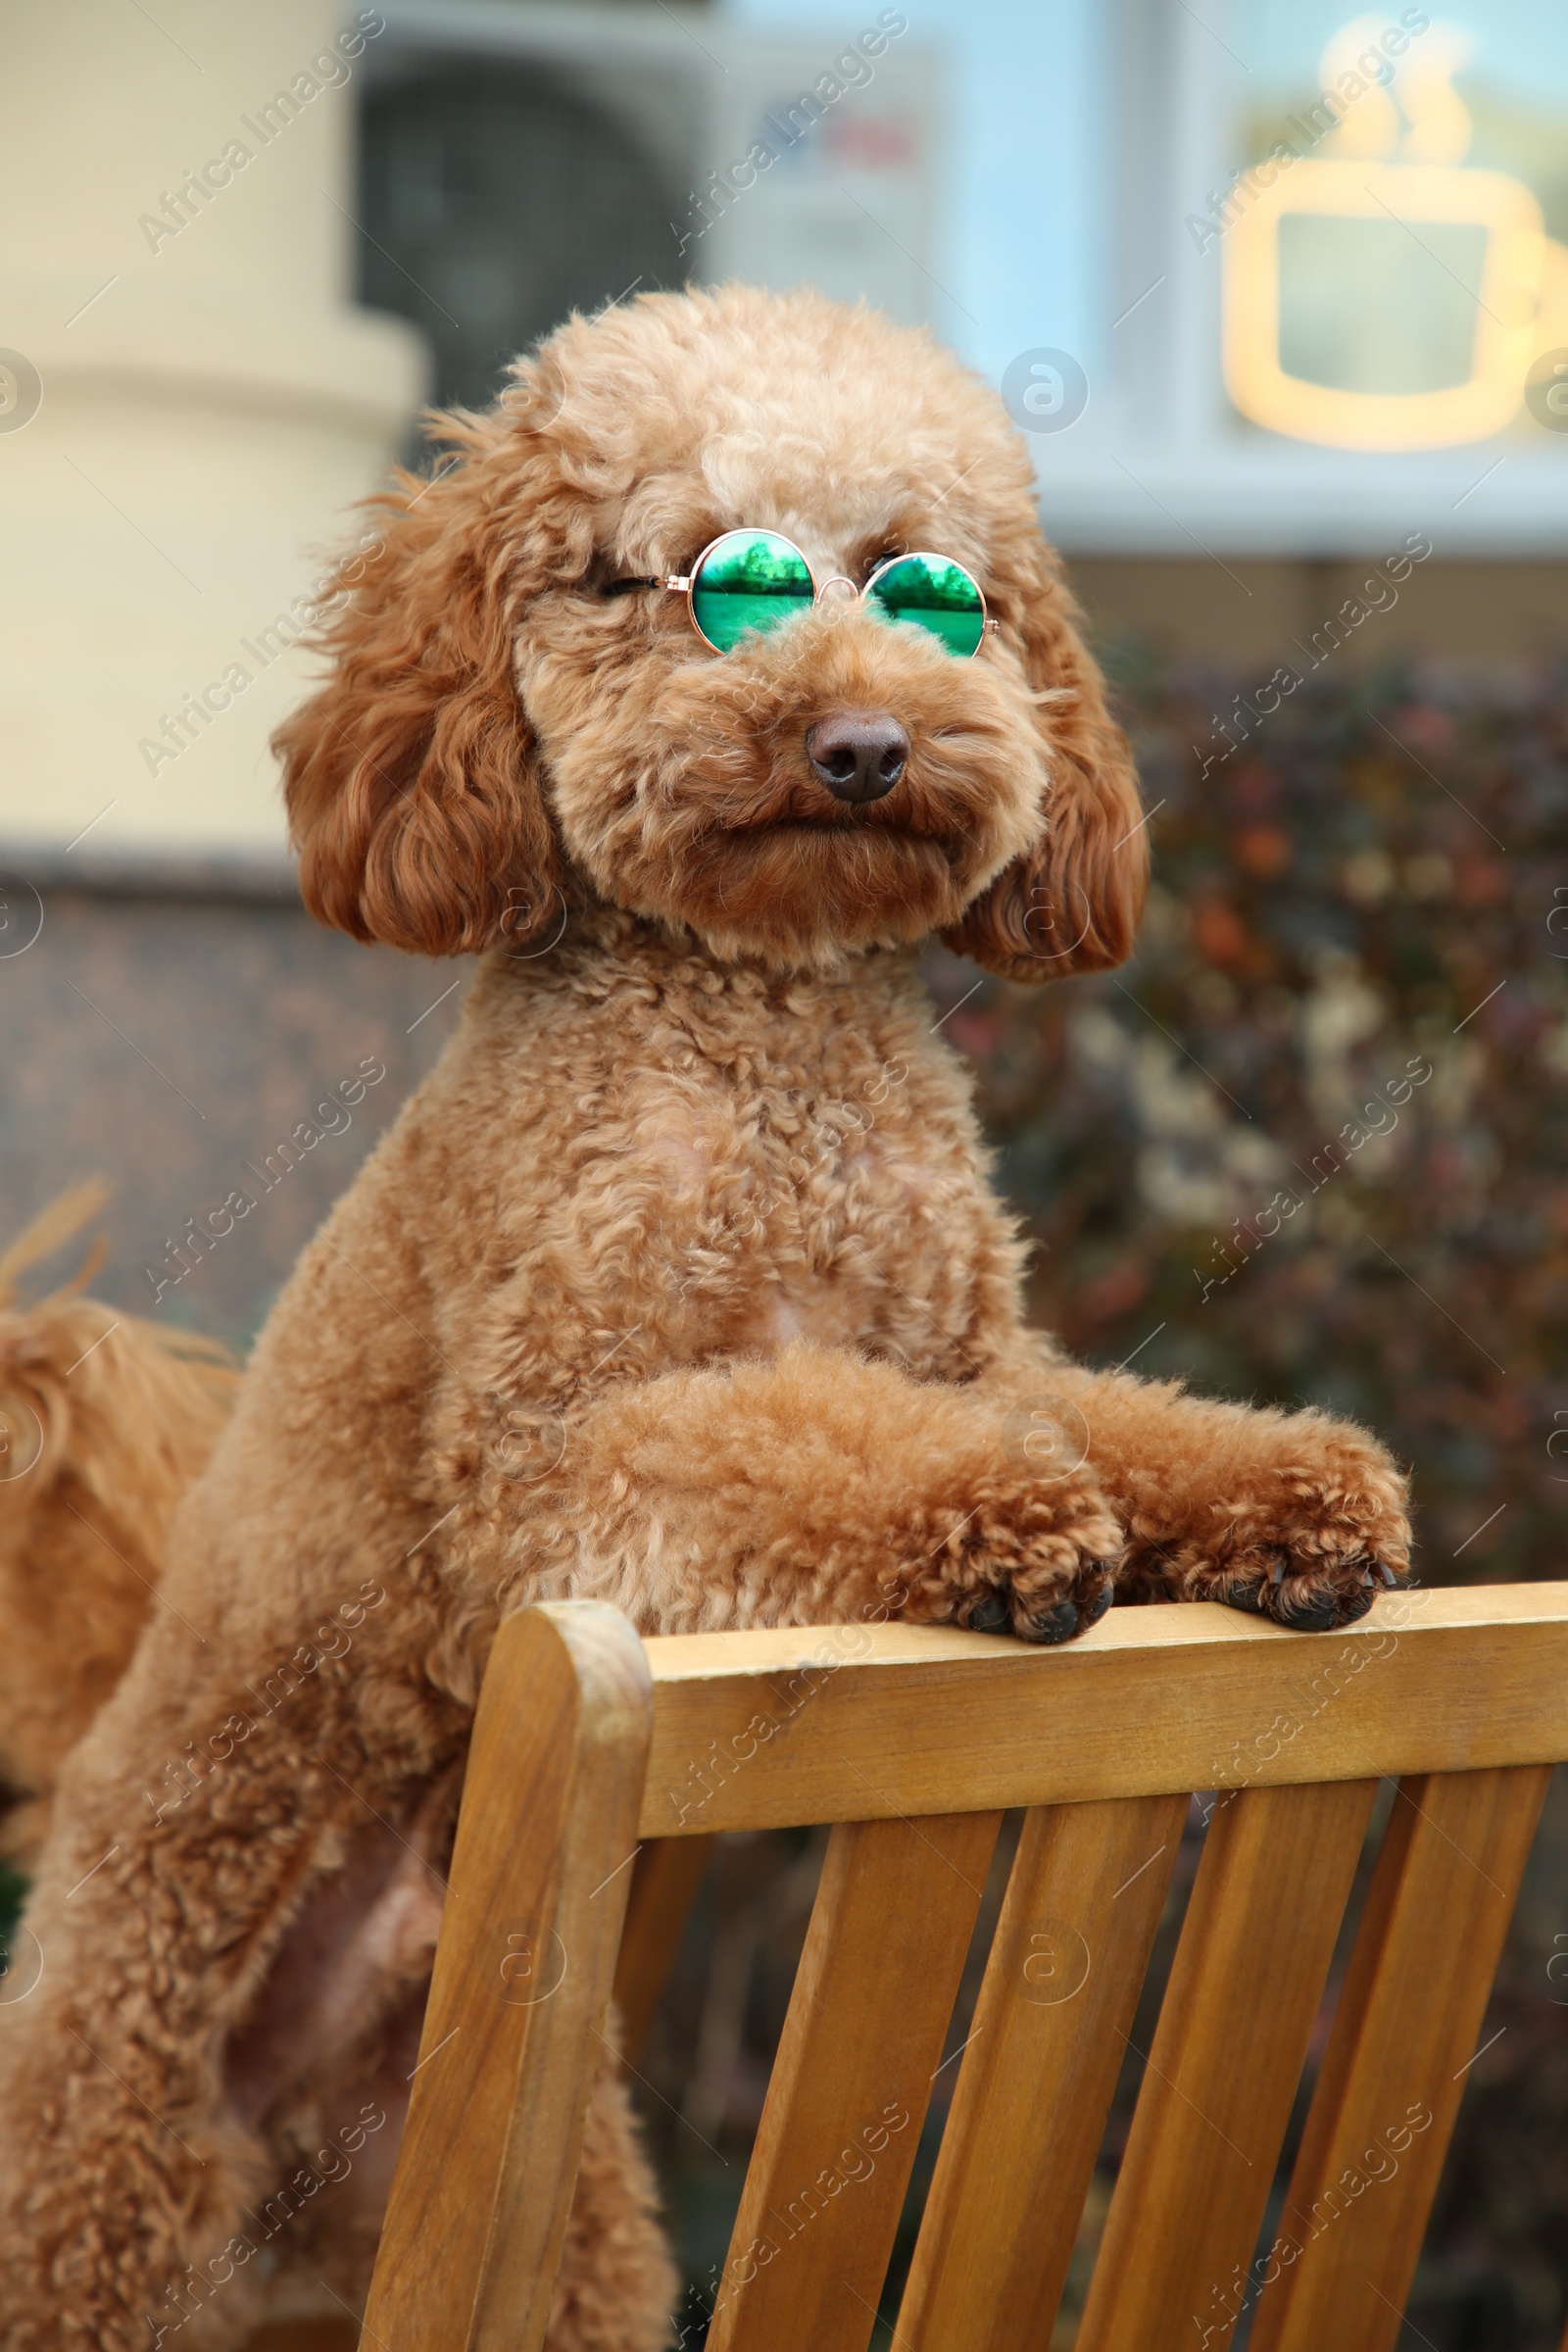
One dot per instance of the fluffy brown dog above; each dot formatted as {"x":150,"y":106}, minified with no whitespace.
{"x":104,"y":1422}
{"x":680,"y":1283}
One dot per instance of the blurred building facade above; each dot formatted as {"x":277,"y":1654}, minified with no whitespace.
{"x":192,"y":393}
{"x":1268,"y":290}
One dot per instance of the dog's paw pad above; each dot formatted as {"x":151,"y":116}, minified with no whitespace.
{"x":1054,"y":1625}
{"x":990,"y":1614}
{"x":1040,"y":1565}
{"x":1321,"y":1602}
{"x":995,"y":1613}
{"x":1070,"y":1617}
{"x":1060,"y":1609}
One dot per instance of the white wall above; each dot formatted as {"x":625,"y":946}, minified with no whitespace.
{"x":210,"y":402}
{"x":1022,"y":229}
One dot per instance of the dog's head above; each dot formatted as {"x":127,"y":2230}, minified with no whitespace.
{"x":503,"y":737}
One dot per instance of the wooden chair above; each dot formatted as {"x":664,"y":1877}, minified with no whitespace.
{"x":590,"y":1743}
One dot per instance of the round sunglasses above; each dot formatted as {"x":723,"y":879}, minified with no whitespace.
{"x":756,"y":579}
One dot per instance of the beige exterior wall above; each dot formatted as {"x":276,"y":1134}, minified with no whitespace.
{"x":211,"y":404}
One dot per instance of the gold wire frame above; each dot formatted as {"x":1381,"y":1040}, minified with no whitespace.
{"x":681,"y":583}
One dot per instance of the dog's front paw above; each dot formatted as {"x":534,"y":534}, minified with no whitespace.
{"x":1320,"y":1534}
{"x":1035,"y":1560}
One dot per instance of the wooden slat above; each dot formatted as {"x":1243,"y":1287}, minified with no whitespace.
{"x":1083,"y":1900}
{"x":306,"y":2335}
{"x":521,"y":1988}
{"x":832,"y":1724}
{"x":1403,"y":2038}
{"x":666,"y":1877}
{"x":861,"y":2041}
{"x":1223,"y":2069}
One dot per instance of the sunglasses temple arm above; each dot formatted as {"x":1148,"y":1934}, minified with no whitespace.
{"x":626,"y":587}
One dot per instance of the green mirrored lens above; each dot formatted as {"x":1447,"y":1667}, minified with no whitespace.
{"x":749,"y":580}
{"x":941,"y":596}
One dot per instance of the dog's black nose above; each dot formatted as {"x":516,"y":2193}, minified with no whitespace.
{"x":859,"y":755}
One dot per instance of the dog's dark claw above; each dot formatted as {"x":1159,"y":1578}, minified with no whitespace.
{"x":1387,"y":1573}
{"x":1096,"y":1609}
{"x":1318,"y":1614}
{"x":991,"y":1615}
{"x":1054,"y":1625}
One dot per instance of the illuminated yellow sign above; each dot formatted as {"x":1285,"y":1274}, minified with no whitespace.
{"x":1497,"y":315}
{"x":1371,"y":301}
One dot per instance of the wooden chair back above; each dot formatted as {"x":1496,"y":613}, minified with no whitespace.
{"x":592,"y":1748}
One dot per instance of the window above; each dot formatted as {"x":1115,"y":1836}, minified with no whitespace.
{"x":1334,"y":292}
{"x":1393,"y":239}
{"x":518,"y":163}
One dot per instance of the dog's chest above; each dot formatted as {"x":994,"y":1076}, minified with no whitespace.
{"x":720,"y":1165}
{"x":834,"y":1212}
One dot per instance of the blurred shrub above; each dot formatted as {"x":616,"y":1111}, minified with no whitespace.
{"x":1227,"y":1153}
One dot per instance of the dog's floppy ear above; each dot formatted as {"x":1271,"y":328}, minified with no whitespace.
{"x":1072,"y":902}
{"x":411,"y":778}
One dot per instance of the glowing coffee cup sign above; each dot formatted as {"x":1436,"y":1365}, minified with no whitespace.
{"x":1377,"y":295}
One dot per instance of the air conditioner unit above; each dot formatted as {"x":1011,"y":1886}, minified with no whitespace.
{"x":518,"y":163}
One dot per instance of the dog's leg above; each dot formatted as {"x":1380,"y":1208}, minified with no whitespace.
{"x":810,"y":1489}
{"x":137,"y":2077}
{"x":204,"y":2092}
{"x":616,"y":2286}
{"x":1298,"y":1516}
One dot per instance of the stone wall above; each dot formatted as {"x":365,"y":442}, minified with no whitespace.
{"x":191,"y":1038}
